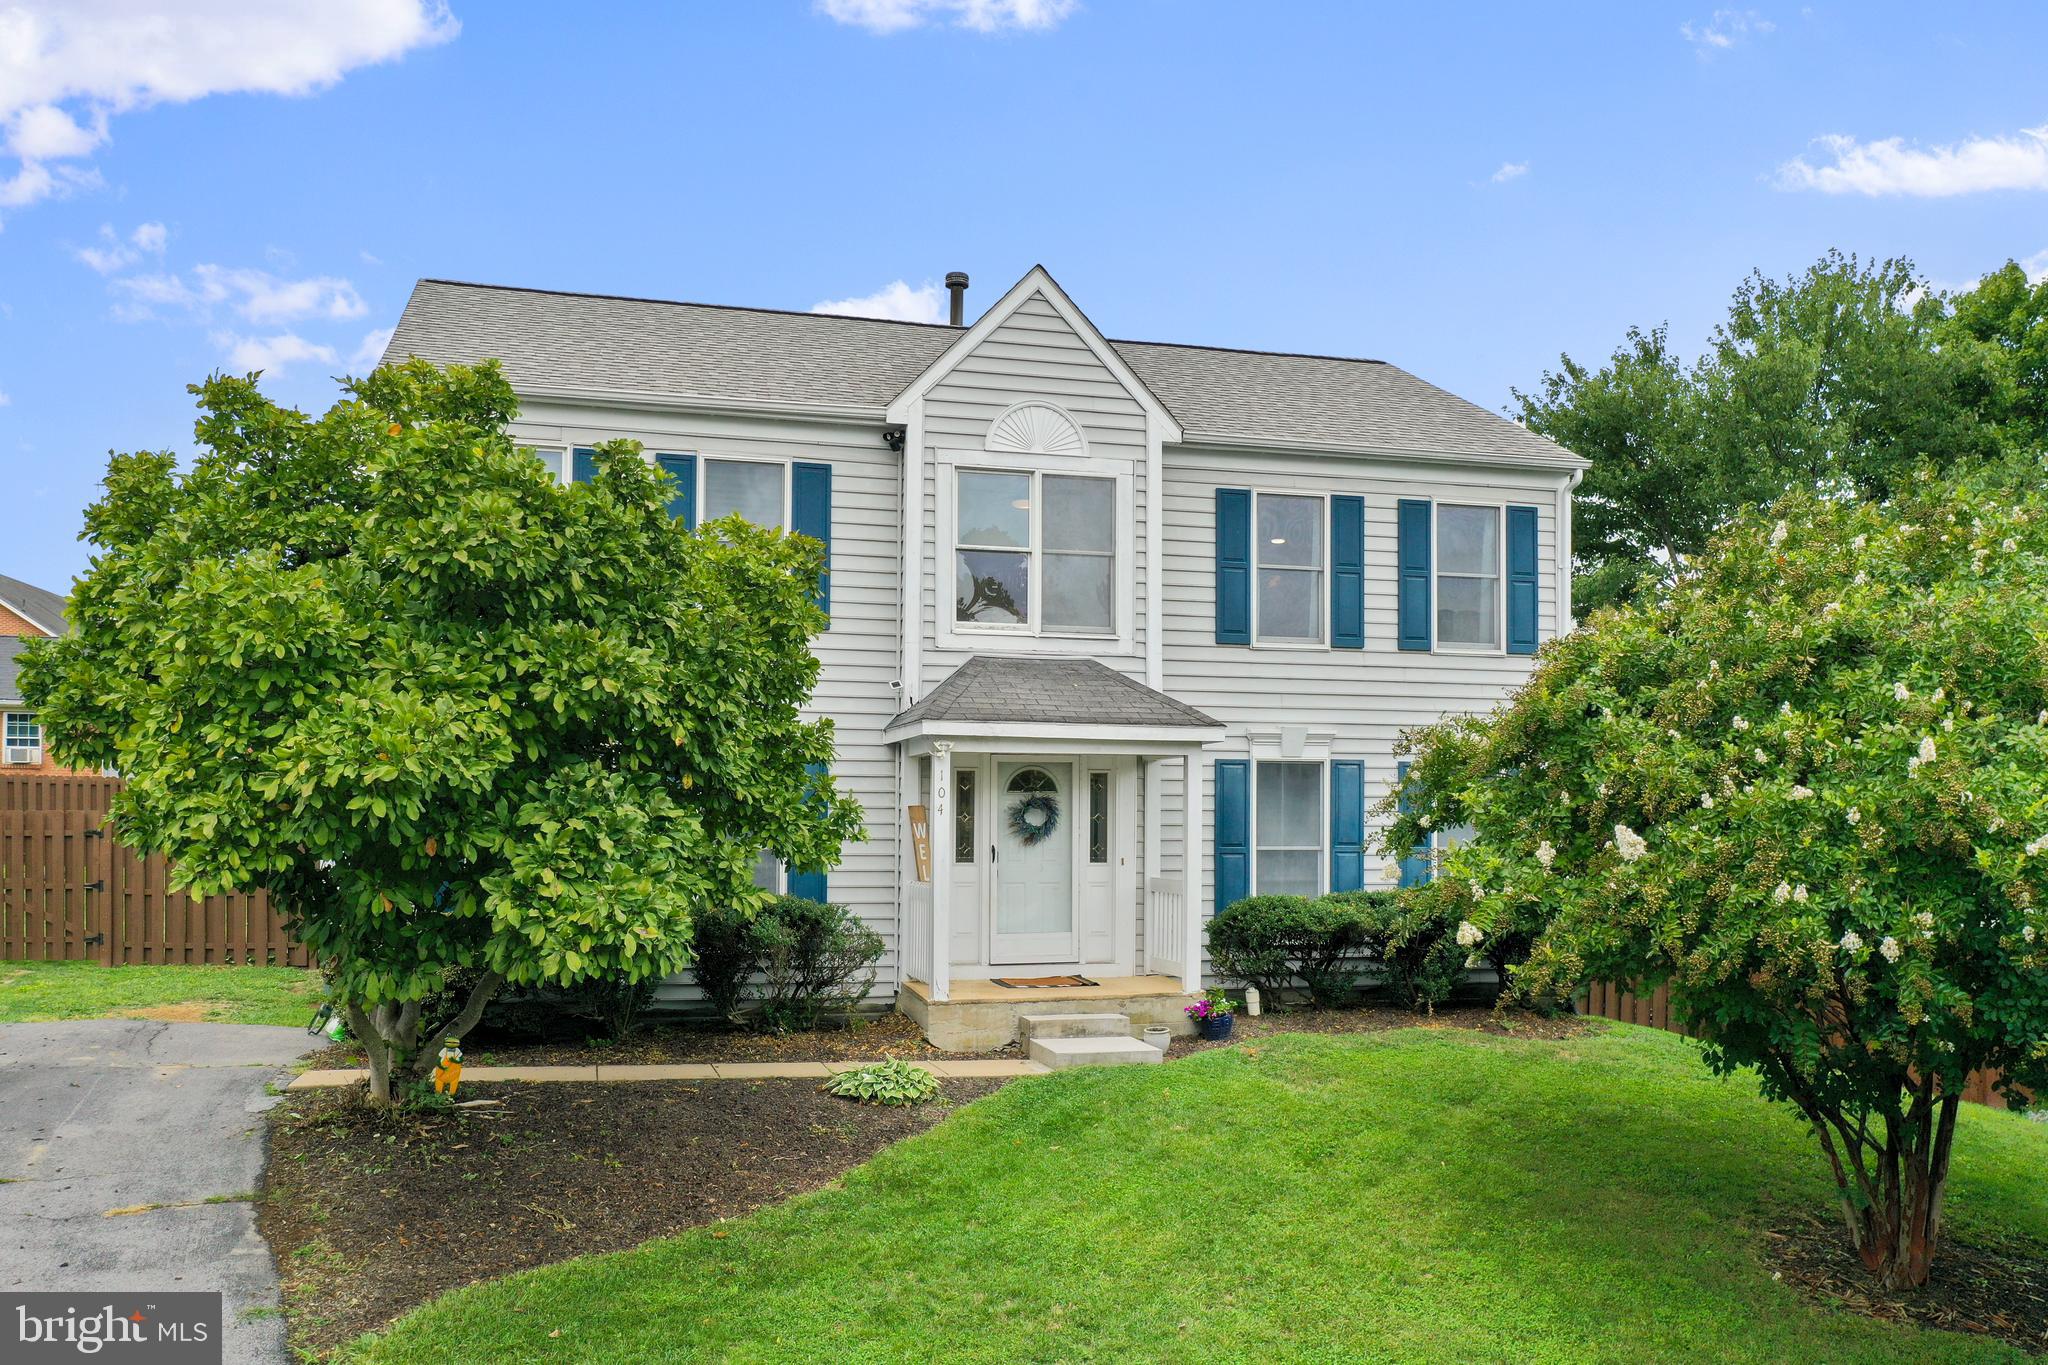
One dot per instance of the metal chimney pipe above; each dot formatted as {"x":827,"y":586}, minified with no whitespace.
{"x":956,"y":285}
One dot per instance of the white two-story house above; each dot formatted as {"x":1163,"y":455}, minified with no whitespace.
{"x":1130,"y":627}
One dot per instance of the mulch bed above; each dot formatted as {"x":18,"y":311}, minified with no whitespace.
{"x":1986,"y":1290}
{"x":370,"y":1216}
{"x":1380,"y":1018}
{"x":888,"y":1035}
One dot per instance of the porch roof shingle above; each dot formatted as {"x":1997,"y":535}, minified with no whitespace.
{"x":1049,"y":692}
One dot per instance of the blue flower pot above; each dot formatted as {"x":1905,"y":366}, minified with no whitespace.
{"x":1216,"y":1026}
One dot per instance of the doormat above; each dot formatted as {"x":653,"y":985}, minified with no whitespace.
{"x":1041,"y":983}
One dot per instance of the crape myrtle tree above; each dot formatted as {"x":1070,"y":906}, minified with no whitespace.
{"x":1805,"y":785}
{"x":450,"y":713}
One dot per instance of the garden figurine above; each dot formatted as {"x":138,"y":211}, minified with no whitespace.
{"x":448,"y":1074}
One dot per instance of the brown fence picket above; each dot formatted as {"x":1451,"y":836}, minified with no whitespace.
{"x":1606,"y":1000}
{"x":64,"y":879}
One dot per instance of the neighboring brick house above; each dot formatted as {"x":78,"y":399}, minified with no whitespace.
{"x":26,"y":613}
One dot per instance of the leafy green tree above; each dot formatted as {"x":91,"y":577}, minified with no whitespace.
{"x":1806,"y":787}
{"x":450,"y":713}
{"x":2007,"y":314}
{"x":1837,"y":379}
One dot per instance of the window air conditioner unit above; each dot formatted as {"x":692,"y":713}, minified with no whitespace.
{"x":22,"y":753}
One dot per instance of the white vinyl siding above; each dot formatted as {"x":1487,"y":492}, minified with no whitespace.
{"x":1034,"y":355}
{"x":860,"y":652}
{"x":1358,"y":702}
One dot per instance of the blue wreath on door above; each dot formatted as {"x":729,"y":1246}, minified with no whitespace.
{"x":1033,"y":819}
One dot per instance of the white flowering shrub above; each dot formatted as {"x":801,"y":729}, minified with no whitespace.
{"x":1806,"y":787}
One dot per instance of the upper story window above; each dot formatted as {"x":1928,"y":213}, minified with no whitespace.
{"x":1468,"y":577}
{"x":1034,"y":552}
{"x":755,"y":489}
{"x":553,"y":458}
{"x":1288,"y":542}
{"x":22,"y":732}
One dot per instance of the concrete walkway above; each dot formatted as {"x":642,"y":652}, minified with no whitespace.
{"x":693,"y":1071}
{"x":131,"y":1152}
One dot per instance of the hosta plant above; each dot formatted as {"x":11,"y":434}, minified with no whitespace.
{"x":1806,"y":787}
{"x":891,"y":1082}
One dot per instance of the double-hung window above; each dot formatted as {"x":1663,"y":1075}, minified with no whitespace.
{"x":1034,"y":552}
{"x":553,"y":458}
{"x":1287,"y":829}
{"x":1468,"y":577}
{"x":1288,"y":541}
{"x":757,"y":490}
{"x":22,"y":732}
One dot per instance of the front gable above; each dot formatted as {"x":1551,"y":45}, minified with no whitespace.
{"x":1035,"y":342}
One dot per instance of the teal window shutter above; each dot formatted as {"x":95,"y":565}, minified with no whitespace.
{"x":1347,"y":825}
{"x":1347,"y":572}
{"x":1414,"y":867}
{"x":682,"y":505}
{"x":1521,"y":580}
{"x":1233,"y":831}
{"x":810,"y":514}
{"x":582,"y":464}
{"x":1233,"y":566}
{"x":809,"y":885}
{"x":1415,"y":631}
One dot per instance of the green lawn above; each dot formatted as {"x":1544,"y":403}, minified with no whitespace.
{"x":1422,"y":1195}
{"x":39,"y":992}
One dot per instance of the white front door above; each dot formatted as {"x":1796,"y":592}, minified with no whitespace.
{"x":1034,"y":882}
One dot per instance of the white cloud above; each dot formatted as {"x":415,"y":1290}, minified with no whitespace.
{"x":1509,"y":170}
{"x":67,"y":66}
{"x":5,"y":398}
{"x":898,"y":300}
{"x":115,"y":254}
{"x":1727,"y":28}
{"x":370,"y":350}
{"x":1889,"y":166}
{"x":270,"y":354}
{"x":2036,"y":267}
{"x":256,"y":295}
{"x":983,"y":16}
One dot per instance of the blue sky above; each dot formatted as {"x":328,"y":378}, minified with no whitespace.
{"x":1463,"y":193}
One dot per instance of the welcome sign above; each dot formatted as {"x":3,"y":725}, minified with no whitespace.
{"x":119,"y":1327}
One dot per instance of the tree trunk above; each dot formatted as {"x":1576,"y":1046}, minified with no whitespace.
{"x":390,"y":1035}
{"x":1892,"y":1190}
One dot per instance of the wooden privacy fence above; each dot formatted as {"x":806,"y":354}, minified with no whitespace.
{"x":70,"y":893}
{"x":1608,"y":1001}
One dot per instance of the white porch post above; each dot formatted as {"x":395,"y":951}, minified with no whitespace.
{"x":942,"y":871}
{"x":1151,"y":863}
{"x":1192,"y":849}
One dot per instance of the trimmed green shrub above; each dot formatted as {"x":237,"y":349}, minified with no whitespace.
{"x":722,"y":944}
{"x":1268,"y":942}
{"x":618,"y":1006}
{"x":815,"y":957}
{"x":891,"y":1082}
{"x":1417,"y":943}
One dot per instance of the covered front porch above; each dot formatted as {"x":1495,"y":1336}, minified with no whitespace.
{"x":1040,"y":812}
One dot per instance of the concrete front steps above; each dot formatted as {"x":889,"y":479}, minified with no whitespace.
{"x":1059,"y":1041}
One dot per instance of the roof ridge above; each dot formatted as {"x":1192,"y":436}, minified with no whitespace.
{"x":858,"y":317}
{"x":684,"y":303}
{"x":1253,"y":350}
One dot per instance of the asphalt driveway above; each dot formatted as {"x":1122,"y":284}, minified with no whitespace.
{"x":154,"y":1120}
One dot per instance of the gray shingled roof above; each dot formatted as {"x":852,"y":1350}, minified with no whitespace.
{"x":679,"y":351}
{"x":44,"y":607}
{"x":10,"y":686}
{"x":1048,"y":692}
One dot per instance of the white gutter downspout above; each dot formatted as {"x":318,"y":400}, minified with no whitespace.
{"x":1567,"y":623}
